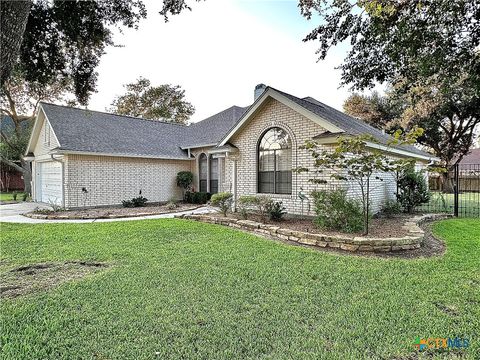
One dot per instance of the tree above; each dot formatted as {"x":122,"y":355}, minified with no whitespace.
{"x":18,"y":106}
{"x":14,"y":16}
{"x":164,"y":102}
{"x":353,"y":161}
{"x":426,"y":50}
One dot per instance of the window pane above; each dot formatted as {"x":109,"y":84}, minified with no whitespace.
{"x":266,"y":160}
{"x":213,"y":186}
{"x":283,"y":182}
{"x":265,"y":182}
{"x":203,"y":185}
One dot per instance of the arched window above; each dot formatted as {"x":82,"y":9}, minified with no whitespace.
{"x":275,"y":162}
{"x":203,"y":171}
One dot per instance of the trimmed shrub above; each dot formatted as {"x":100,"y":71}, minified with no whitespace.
{"x":390,"y":208}
{"x":263,"y":203}
{"x":276,"y":210}
{"x":138,"y":201}
{"x":184,"y":180}
{"x":245,"y":204}
{"x":223,"y":200}
{"x":198,"y":197}
{"x":337,"y":212}
{"x":412,"y":190}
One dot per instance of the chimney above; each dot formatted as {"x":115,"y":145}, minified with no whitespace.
{"x":259,"y":89}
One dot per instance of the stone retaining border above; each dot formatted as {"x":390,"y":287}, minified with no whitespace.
{"x":413,"y":240}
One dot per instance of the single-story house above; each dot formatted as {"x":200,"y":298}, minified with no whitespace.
{"x":90,"y":158}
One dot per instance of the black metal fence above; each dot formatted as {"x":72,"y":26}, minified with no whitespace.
{"x":457,"y":192}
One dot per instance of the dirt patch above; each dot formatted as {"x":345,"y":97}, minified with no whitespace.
{"x":34,"y":278}
{"x":379,"y":227}
{"x":114,"y":212}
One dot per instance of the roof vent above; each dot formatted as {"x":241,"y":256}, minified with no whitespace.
{"x":259,"y":89}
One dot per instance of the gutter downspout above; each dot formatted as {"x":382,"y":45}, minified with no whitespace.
{"x":63,"y":178}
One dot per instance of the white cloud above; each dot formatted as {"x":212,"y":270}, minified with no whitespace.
{"x":217,"y":53}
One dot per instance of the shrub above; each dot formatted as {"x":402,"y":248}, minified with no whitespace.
{"x":138,"y":201}
{"x":171,"y":205}
{"x":14,"y":196}
{"x":199,"y":197}
{"x":391,"y":208}
{"x":336,"y":212}
{"x":276,"y":210}
{"x":263,"y":203}
{"x":184,"y":180}
{"x":24,"y":197}
{"x":412,"y":190}
{"x":223,"y":200}
{"x":245,"y":203}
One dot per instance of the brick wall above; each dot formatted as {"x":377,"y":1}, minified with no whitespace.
{"x":300,"y":129}
{"x":109,"y":180}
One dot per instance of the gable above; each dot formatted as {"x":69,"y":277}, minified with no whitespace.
{"x":42,"y":138}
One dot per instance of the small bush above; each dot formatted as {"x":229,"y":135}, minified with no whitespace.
{"x":184,"y":180}
{"x":263,"y":203}
{"x":138,"y":201}
{"x":391,"y":208}
{"x":276,"y":210}
{"x":171,"y":205}
{"x":412,"y":190}
{"x":199,"y":197}
{"x":14,"y":196}
{"x":336,"y":212}
{"x":223,"y":200}
{"x":245,"y":203}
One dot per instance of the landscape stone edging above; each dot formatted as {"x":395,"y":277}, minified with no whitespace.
{"x":413,"y":240}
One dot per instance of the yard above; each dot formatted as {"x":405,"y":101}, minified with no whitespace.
{"x":468,"y":203}
{"x":180,"y":289}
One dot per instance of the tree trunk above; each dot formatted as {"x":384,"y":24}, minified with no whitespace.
{"x":27,"y":177}
{"x":14,"y":17}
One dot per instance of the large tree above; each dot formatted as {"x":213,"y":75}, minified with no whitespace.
{"x":18,"y":105}
{"x":426,"y":50}
{"x":163,"y":102}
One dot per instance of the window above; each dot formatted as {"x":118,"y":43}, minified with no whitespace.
{"x":203,"y":171}
{"x":275,"y":162}
{"x":213,"y":175}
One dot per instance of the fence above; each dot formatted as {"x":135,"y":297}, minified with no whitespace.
{"x":457,"y":192}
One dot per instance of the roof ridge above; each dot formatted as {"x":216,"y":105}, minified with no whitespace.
{"x":111,"y":114}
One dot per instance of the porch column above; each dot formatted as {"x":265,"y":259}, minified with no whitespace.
{"x":234,"y":183}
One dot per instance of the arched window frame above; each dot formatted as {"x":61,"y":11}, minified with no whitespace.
{"x":276,"y":180}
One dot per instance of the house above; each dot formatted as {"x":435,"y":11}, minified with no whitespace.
{"x":89,"y":158}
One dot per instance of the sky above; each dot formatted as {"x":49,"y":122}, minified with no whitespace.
{"x":218,"y":52}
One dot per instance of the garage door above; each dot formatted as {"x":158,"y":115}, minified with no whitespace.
{"x":50,"y":181}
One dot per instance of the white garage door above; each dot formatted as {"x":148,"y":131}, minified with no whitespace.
{"x":50,"y":181}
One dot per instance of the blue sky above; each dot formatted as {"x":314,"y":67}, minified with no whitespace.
{"x":219,"y":51}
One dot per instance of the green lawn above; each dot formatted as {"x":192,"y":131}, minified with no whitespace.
{"x":468,"y":203}
{"x":8,"y":196}
{"x":183,"y":289}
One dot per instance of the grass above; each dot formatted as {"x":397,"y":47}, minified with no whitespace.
{"x":468,"y":203}
{"x":180,"y":289}
{"x":8,"y":196}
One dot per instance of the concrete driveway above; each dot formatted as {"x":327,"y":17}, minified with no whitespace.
{"x":12,"y":213}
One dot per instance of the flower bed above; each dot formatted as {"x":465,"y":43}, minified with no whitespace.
{"x":354,"y":243}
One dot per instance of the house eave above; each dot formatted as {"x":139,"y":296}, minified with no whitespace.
{"x":126,"y":155}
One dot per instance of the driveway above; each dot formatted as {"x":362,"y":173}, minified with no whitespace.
{"x":13,"y":213}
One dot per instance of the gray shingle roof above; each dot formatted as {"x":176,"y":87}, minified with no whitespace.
{"x":214,"y":128}
{"x":349,"y":124}
{"x":98,"y":132}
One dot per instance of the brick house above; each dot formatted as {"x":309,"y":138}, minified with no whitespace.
{"x":89,"y":158}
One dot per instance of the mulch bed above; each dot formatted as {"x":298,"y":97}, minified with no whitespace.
{"x":379,"y":227}
{"x":115,"y":212}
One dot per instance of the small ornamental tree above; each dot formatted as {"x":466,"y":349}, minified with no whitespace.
{"x":223,"y":200}
{"x":353,"y":159}
{"x":185,"y":180}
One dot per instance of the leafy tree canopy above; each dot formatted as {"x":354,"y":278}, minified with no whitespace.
{"x":164,"y":102}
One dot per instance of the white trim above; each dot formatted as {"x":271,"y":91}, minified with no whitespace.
{"x":271,"y":93}
{"x":73,"y":152}
{"x":37,"y":129}
{"x":196,"y":146}
{"x":400,"y":152}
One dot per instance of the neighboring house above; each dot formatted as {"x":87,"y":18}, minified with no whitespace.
{"x":88,"y":158}
{"x":10,"y":178}
{"x":471,"y":161}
